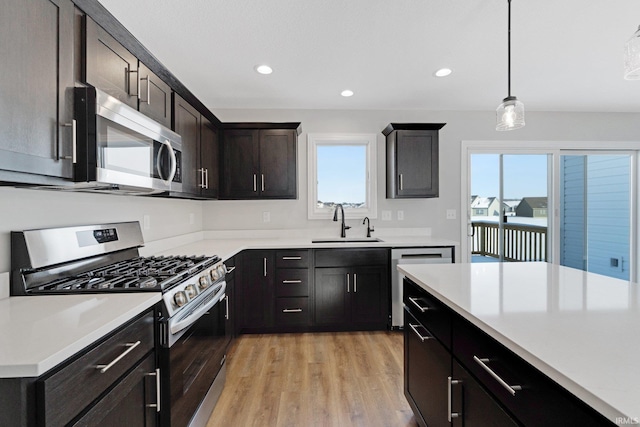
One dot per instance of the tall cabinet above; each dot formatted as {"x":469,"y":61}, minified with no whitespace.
{"x":36,"y":83}
{"x":412,"y":160}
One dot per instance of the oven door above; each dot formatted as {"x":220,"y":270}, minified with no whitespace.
{"x":191,"y":363}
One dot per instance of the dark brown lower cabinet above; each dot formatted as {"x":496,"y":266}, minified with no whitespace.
{"x":131,"y":403}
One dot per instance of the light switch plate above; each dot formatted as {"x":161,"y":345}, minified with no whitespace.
{"x":386,"y":215}
{"x":451,"y":214}
{"x":266,"y":216}
{"x":400,"y":215}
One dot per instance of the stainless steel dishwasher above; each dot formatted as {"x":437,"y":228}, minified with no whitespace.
{"x":426,"y":255}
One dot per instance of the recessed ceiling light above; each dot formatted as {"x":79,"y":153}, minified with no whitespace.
{"x":346,"y":93}
{"x":264,"y":69}
{"x":442,"y":72}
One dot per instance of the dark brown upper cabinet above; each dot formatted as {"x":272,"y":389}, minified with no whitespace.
{"x":36,"y":82}
{"x":200,"y":151}
{"x":110,"y":67}
{"x":412,"y":160}
{"x":260,"y":161}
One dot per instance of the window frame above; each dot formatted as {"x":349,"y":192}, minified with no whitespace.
{"x":369,"y":141}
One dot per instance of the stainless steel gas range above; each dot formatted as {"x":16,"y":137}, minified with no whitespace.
{"x":191,"y":323}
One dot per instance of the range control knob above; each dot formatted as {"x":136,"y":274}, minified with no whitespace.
{"x":222,"y":270}
{"x":215,"y":275}
{"x":180,"y":298}
{"x":203,"y":283}
{"x":190,"y":291}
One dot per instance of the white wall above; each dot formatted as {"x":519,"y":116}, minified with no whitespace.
{"x":418,"y":213}
{"x":22,"y":209}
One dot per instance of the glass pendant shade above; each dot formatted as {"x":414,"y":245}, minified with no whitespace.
{"x":510,"y":114}
{"x":632,"y":57}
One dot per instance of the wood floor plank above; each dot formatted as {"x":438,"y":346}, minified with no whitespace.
{"x":315,"y":379}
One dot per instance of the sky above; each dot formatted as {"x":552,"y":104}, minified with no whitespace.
{"x":525,"y":175}
{"x":341,"y":173}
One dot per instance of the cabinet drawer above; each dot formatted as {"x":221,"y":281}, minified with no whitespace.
{"x":434,"y":315}
{"x":292,"y":259}
{"x":292,"y":282}
{"x":351,"y":257}
{"x":292,"y":311}
{"x":66,"y":392}
{"x":520,"y":387}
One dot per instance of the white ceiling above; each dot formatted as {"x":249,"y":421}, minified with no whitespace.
{"x":566,"y":54}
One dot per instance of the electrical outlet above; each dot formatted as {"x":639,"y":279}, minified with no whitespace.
{"x":146,"y":222}
{"x":451,"y":214}
{"x":386,"y":215}
{"x":266,"y":216}
{"x":400,"y":215}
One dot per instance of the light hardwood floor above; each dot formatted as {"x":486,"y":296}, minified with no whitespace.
{"x":319,"y":379}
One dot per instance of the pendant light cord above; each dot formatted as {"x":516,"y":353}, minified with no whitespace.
{"x":509,"y":51}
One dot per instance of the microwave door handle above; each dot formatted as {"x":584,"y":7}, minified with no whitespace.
{"x":174,"y":162}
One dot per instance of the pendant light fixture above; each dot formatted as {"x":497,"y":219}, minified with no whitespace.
{"x":632,"y":57}
{"x":509,"y":114}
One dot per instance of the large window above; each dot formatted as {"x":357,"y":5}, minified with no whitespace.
{"x":341,"y":167}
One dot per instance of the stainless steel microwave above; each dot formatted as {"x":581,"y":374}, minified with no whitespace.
{"x":118,"y":149}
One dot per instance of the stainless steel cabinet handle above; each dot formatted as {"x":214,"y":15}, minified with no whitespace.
{"x":292,"y":258}
{"x":355,"y":282}
{"x":74,"y":141}
{"x":291,"y":281}
{"x":292,"y":310}
{"x":264,"y":264}
{"x":401,"y":183}
{"x":148,"y":89}
{"x":510,"y":388}
{"x":206,"y":181}
{"x":262,"y":175}
{"x":450,"y":414}
{"x":226,"y":305}
{"x":231,"y":269}
{"x":157,"y":404}
{"x":255,"y":183}
{"x":414,"y":328}
{"x":127,"y":72}
{"x":201,"y":185}
{"x":348,"y":283}
{"x":415,"y":302}
{"x":105,"y":368}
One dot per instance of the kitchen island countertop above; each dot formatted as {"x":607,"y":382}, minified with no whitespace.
{"x":580,"y":329}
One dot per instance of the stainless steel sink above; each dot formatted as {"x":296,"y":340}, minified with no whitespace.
{"x":354,"y":240}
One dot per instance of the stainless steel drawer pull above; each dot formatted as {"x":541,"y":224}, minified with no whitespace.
{"x":401,"y":183}
{"x":230,"y":269}
{"x":355,"y":282}
{"x":420,"y":307}
{"x":226,"y":307}
{"x":450,"y":382}
{"x":262,"y":181}
{"x":414,"y":328}
{"x":510,"y":388}
{"x":157,"y":404}
{"x":292,"y":258}
{"x":291,"y":281}
{"x":348,"y":283}
{"x":265,"y":266}
{"x":292,"y":310}
{"x":255,"y":183}
{"x":105,"y":368}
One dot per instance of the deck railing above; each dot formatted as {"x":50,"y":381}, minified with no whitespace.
{"x":521,"y":242}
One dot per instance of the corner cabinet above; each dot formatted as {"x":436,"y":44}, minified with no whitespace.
{"x":412,"y":160}
{"x":199,"y":151}
{"x":259,"y":161}
{"x":37,"y":80}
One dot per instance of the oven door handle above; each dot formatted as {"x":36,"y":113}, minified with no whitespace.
{"x":189,"y":320}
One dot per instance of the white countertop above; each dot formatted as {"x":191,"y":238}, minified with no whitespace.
{"x":580,"y":329}
{"x":39,"y":332}
{"x":226,"y":248}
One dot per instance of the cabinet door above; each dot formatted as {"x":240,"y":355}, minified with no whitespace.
{"x":257,"y":289}
{"x":186,"y":122}
{"x":278,"y":170}
{"x":473,"y":406}
{"x":130,"y":403}
{"x":109,"y":66}
{"x":240,"y":164}
{"x":369,"y":295}
{"x":155,"y":96}
{"x":417,"y":163}
{"x":427,"y":366}
{"x":209,"y":160}
{"x":36,"y":84}
{"x":332,"y":288}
